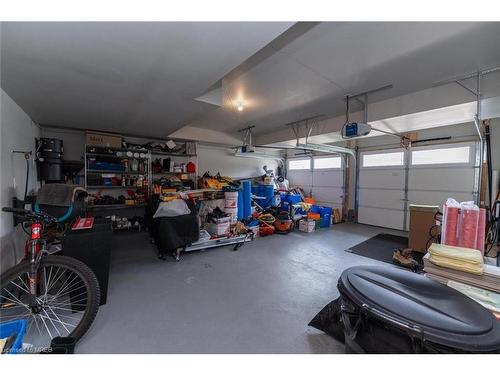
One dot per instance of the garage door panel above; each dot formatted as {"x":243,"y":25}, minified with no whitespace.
{"x":381,"y":217}
{"x":452,"y":179}
{"x":326,"y":194}
{"x":300,"y":178}
{"x":392,"y":199}
{"x":436,"y":197}
{"x":328,"y":178}
{"x":382,"y":178}
{"x":430,"y":181}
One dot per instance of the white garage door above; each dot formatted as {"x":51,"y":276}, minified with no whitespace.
{"x":320,"y":176}
{"x":438,"y":172}
{"x":390,"y":180}
{"x":381,"y":188}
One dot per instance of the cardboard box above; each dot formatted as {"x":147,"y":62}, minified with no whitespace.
{"x":421,"y":221}
{"x":103,"y":139}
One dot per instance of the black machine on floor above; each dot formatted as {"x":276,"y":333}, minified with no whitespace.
{"x":384,"y":309}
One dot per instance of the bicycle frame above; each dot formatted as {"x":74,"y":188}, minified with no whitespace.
{"x":34,"y":249}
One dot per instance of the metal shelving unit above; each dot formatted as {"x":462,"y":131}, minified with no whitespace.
{"x":190,"y":157}
{"x":115,"y":206}
{"x":113,"y":154}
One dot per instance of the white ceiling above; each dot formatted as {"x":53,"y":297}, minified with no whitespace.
{"x":312,"y":74}
{"x":139,"y":78}
{"x":144,"y":78}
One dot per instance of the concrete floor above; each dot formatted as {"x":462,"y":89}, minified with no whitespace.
{"x":258,"y":299}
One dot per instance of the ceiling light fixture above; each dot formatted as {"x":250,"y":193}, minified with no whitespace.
{"x":240,"y":107}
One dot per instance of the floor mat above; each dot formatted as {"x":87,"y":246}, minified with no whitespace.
{"x":382,"y":246}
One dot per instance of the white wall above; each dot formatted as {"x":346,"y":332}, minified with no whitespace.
{"x":219,"y":159}
{"x":18,"y":132}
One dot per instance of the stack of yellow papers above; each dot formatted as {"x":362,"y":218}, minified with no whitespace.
{"x":457,"y":258}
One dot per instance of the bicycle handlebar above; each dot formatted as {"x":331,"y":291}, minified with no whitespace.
{"x":19,"y":211}
{"x":29,"y":214}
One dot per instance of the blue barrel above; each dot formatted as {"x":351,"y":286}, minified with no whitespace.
{"x":268,"y":193}
{"x":247,"y":201}
{"x":240,"y":205}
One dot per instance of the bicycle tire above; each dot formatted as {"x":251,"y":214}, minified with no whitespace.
{"x":74,"y":265}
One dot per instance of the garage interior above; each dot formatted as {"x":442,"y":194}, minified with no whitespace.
{"x":228,"y":179}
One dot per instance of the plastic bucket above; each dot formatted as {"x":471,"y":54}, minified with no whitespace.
{"x":233,"y":213}
{"x":231,"y":199}
{"x":255,"y":230}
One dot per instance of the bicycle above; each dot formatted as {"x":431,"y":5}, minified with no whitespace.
{"x":56,"y":294}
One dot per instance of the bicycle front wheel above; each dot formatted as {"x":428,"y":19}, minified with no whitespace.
{"x":65,"y":304}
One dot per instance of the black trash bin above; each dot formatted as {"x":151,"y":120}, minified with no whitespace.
{"x":92,"y":247}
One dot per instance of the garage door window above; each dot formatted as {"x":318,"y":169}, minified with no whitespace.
{"x":299,"y":164}
{"x":451,"y":155}
{"x":388,"y":159}
{"x":328,"y":163}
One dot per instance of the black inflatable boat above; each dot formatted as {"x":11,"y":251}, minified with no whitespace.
{"x":383,"y":309}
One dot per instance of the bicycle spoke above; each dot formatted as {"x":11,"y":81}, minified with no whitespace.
{"x":71,"y":303}
{"x":16,"y":300}
{"x":20,"y":287}
{"x":65,"y":283}
{"x":56,"y":280}
{"x":47,"y":328}
{"x":47,"y":282}
{"x":72,"y":297}
{"x":66,"y":288}
{"x":51,"y":321}
{"x":61,"y":305}
{"x":58,"y":319}
{"x":25,"y":285}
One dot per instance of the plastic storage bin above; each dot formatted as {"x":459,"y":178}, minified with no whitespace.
{"x":15,"y":326}
{"x":326,"y":216}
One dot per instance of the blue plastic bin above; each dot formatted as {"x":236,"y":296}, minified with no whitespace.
{"x":315,"y":209}
{"x":294,"y":198}
{"x":14,"y":326}
{"x":326,"y":215}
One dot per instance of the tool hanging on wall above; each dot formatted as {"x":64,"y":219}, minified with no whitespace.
{"x":27,"y":157}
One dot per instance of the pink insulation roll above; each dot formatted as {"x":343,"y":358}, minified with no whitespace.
{"x":450,"y":222}
{"x":481,"y":230}
{"x":469,"y":221}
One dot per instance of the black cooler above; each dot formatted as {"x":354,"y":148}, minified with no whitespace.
{"x":384,"y":309}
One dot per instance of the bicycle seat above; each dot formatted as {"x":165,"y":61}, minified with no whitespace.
{"x":63,"y":202}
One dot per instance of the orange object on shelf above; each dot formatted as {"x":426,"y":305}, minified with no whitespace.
{"x":313,"y":216}
{"x":310,"y":200}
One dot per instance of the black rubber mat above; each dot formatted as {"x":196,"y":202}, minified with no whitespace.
{"x":382,"y":246}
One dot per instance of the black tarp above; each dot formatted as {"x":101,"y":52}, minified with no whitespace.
{"x":171,"y":233}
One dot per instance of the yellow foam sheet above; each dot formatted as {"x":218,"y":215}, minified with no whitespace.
{"x":458,"y":258}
